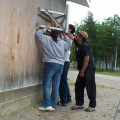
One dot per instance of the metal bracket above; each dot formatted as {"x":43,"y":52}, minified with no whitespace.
{"x":43,"y":15}
{"x":48,"y":32}
{"x":47,"y":13}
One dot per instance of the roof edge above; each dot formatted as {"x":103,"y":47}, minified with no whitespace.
{"x":81,"y":2}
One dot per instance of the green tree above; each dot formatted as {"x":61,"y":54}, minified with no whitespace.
{"x":111,"y":26}
{"x":72,"y":53}
{"x":100,"y":50}
{"x":104,"y":39}
{"x":91,"y":28}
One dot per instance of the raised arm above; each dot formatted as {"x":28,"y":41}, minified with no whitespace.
{"x":72,"y":38}
{"x":40,"y":34}
{"x":68,"y":43}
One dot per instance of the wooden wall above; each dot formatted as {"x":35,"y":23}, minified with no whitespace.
{"x":20,"y":55}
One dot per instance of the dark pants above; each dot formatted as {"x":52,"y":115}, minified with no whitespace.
{"x":64,"y":88}
{"x":89,"y":82}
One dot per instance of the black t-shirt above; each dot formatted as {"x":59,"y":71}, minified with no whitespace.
{"x":83,"y":50}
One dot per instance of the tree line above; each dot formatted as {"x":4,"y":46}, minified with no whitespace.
{"x":104,"y":38}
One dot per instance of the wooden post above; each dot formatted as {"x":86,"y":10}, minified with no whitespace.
{"x":43,"y":15}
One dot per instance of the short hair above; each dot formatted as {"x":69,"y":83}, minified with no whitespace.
{"x":72,"y":28}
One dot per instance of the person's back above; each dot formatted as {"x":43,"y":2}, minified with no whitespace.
{"x":53,"y":56}
{"x":53,"y":51}
{"x":64,"y":91}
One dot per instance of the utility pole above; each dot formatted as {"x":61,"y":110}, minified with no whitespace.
{"x":115,"y":58}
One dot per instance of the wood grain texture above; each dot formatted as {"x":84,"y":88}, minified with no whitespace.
{"x":20,"y":54}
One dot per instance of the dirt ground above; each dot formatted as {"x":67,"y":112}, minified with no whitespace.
{"x":108,"y":97}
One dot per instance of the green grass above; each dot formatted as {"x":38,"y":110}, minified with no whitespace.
{"x":102,"y":71}
{"x":71,"y":83}
{"x":109,"y":73}
{"x":73,"y":68}
{"x":103,"y":86}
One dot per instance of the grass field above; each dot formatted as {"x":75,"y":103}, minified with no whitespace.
{"x":104,"y":72}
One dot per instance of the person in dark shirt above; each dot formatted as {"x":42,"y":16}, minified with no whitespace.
{"x":86,"y":75}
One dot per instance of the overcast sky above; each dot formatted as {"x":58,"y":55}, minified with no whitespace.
{"x":101,"y":10}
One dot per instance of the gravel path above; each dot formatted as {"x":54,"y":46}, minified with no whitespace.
{"x":105,"y":80}
{"x":108,"y":96}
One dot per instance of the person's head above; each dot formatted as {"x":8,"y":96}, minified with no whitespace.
{"x":71,"y":29}
{"x":55,"y":34}
{"x":81,"y":37}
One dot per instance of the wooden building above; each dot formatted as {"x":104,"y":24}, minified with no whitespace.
{"x":21,"y":67}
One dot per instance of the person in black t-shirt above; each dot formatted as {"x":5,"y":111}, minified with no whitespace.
{"x":86,"y":75}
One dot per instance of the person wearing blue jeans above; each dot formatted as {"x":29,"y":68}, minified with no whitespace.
{"x":52,"y":74}
{"x":64,"y":88}
{"x":64,"y":91}
{"x":53,"y":55}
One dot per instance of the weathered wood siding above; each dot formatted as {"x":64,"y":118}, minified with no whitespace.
{"x":20,"y":55}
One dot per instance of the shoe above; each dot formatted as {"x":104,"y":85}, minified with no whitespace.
{"x":50,"y":108}
{"x":61,"y":104}
{"x":69,"y":100}
{"x":90,"y":109}
{"x":75,"y":107}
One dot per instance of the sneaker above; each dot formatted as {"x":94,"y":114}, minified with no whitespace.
{"x":75,"y":107}
{"x":50,"y":108}
{"x":90,"y":109}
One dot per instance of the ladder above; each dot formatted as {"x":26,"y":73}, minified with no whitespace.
{"x":117,"y":114}
{"x":47,"y":13}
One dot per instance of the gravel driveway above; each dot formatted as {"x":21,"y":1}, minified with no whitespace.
{"x":105,"y":80}
{"x":108,"y":97}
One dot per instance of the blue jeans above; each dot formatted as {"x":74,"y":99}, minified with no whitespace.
{"x":52,"y":74}
{"x":64,"y":88}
